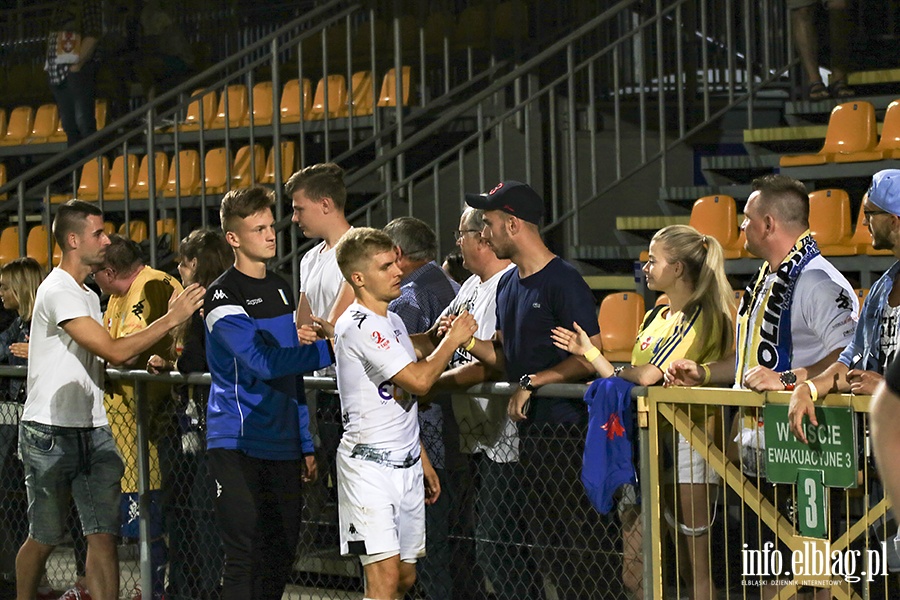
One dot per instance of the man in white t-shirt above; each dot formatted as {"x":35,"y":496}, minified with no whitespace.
{"x":64,"y":438}
{"x":383,"y":485}
{"x":486,"y":431}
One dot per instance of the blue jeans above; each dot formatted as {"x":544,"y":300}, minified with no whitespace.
{"x":63,"y":463}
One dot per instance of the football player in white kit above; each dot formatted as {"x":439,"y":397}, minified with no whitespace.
{"x":384,"y":476}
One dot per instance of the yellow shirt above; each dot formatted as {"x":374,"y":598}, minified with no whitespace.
{"x":146,"y":301}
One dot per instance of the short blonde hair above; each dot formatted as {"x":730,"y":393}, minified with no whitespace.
{"x":358,"y":245}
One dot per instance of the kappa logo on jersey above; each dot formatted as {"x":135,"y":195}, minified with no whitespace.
{"x":138,"y":309}
{"x":219,"y":295}
{"x":359,"y":317}
{"x":381,"y":341}
{"x":646,"y":343}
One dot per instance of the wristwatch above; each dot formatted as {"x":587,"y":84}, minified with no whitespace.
{"x":525,"y":383}
{"x":788,"y":380}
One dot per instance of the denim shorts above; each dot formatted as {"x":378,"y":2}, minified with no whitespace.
{"x":64,"y":463}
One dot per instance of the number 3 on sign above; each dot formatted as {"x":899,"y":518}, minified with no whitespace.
{"x":812,"y":503}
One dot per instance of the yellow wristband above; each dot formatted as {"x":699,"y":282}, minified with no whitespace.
{"x":706,"y":374}
{"x":813,"y":392}
{"x":468,"y":347}
{"x":591,"y":354}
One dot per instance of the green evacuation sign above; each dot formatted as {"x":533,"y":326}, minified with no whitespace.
{"x":831,"y":448}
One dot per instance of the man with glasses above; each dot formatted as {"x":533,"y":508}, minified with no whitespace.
{"x":861,"y":366}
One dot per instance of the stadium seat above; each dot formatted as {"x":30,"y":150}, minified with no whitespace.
{"x":46,"y":121}
{"x":439,"y":29}
{"x":292,"y":110}
{"x":287,"y":163}
{"x":511,"y":20}
{"x":2,"y":179}
{"x":92,"y":180}
{"x":361,"y":96}
{"x":192,"y":120}
{"x":716,"y":216}
{"x":100,"y":106}
{"x":115,"y":189}
{"x":188,"y":173}
{"x":851,"y":128}
{"x":36,"y":246}
{"x":9,"y":244}
{"x":136,"y":230}
{"x":337,"y":98}
{"x":2,"y":122}
{"x":240,"y":174}
{"x":21,"y":123}
{"x":142,"y":183}
{"x":170,"y":228}
{"x":388,"y":96}
{"x":237,"y":108}
{"x":829,"y":222}
{"x":217,"y":163}
{"x":109,"y":227}
{"x":888,"y":145}
{"x":861,"y":294}
{"x":262,"y":104}
{"x":619,"y":318}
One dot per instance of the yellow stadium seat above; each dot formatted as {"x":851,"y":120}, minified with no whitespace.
{"x":262,"y":103}
{"x":292,"y":109}
{"x":100,"y":108}
{"x":851,"y":128}
{"x":620,"y":318}
{"x":192,"y":120}
{"x":829,"y":222}
{"x":115,"y":189}
{"x":136,"y":230}
{"x":36,"y":246}
{"x":168,"y":226}
{"x":188,"y":173}
{"x":361,"y":99}
{"x":388,"y":96}
{"x":9,"y":244}
{"x":2,"y":122}
{"x":237,"y":108}
{"x":46,"y":121}
{"x":716,"y":216}
{"x":287,"y":163}
{"x":216,"y":170}
{"x":109,"y":227}
{"x":142,"y":183}
{"x":240,"y":174}
{"x":21,"y":123}
{"x":92,"y":180}
{"x":337,"y":98}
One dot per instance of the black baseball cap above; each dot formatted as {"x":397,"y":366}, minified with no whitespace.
{"x":512,"y":197}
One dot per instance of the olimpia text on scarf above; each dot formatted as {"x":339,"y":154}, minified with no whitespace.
{"x":769,"y":344}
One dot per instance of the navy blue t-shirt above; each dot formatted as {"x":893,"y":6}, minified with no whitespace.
{"x":527,"y":311}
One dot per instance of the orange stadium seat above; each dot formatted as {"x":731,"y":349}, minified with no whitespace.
{"x":2,"y":122}
{"x":9,"y":244}
{"x":218,"y":161}
{"x":186,"y":167}
{"x":287,"y":163}
{"x":262,"y":103}
{"x":241,"y":175}
{"x":861,"y":294}
{"x":19,"y":127}
{"x":237,"y":108}
{"x":168,"y":226}
{"x":362,"y":97}
{"x":109,"y":227}
{"x":851,"y":128}
{"x":142,"y":183}
{"x":192,"y":120}
{"x":888,"y":145}
{"x":619,"y":318}
{"x":115,"y":189}
{"x":136,"y":230}
{"x":292,"y":109}
{"x":36,"y":246}
{"x":336,"y":103}
{"x":92,"y":180}
{"x":829,"y":222}
{"x":388,"y":96}
{"x":100,"y":106}
{"x":716,"y":216}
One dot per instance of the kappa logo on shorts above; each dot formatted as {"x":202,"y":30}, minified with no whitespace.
{"x":219,"y":295}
